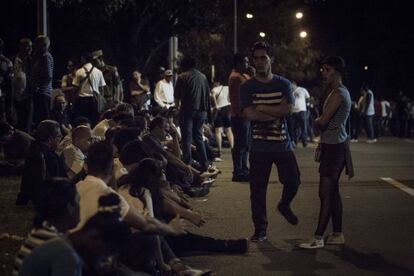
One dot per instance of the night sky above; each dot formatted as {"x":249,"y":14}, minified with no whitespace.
{"x":373,"y":33}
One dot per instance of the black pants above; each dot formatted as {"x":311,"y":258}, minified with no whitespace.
{"x":86,"y":107}
{"x":260,"y":167}
{"x":24,"y":110}
{"x":41,"y":108}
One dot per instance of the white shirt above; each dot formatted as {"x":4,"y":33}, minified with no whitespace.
{"x":164,"y":93}
{"x":384,"y":106}
{"x":90,"y":190}
{"x":96,"y":77}
{"x":136,"y":203}
{"x":74,"y":160}
{"x":300,"y":94}
{"x":221,"y":94}
{"x":100,"y":129}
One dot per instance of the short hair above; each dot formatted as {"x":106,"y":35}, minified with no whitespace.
{"x":125,"y":108}
{"x":24,"y":41}
{"x":121,"y":116}
{"x":54,"y":197}
{"x":79,"y":131}
{"x":188,"y":62}
{"x":42,"y":41}
{"x":47,"y":129}
{"x":133,"y":152}
{"x":80,"y":121}
{"x":100,"y":158}
{"x":262,"y":45}
{"x":238,"y":58}
{"x":124,"y":136}
{"x":337,"y":62}
{"x":157,"y":122}
{"x":5,"y":128}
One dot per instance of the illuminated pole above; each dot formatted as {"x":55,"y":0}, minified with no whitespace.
{"x":42,"y":17}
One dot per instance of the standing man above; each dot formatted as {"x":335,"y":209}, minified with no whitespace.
{"x":299,"y":114}
{"x":239,"y":125}
{"x":266,"y":100}
{"x":22,"y":96}
{"x":112,"y":92}
{"x":192,"y":96}
{"x":368,"y":113}
{"x":41,"y":79}
{"x":164,"y":91}
{"x":88,"y":80}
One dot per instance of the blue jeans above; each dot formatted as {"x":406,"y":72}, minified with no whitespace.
{"x":192,"y":131}
{"x":300,"y":122}
{"x":240,"y":151}
{"x":369,"y":128}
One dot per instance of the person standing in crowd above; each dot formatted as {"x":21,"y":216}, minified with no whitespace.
{"x":385,"y":115}
{"x":88,"y":80}
{"x":192,"y":96}
{"x":67,"y":84}
{"x":22,"y":94}
{"x":164,"y":91}
{"x":299,"y":114}
{"x":221,"y":104}
{"x":6,"y":92}
{"x":266,"y":100}
{"x":139,"y":91}
{"x":41,"y":79}
{"x":112,"y":92}
{"x":368,"y":112}
{"x":334,"y":152}
{"x":239,"y":125}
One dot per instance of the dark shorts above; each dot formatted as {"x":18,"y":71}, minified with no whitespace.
{"x":223,"y":117}
{"x":333,"y":160}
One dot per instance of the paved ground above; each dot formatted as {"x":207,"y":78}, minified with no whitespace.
{"x":378,"y":219}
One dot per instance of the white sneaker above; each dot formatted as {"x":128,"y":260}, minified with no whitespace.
{"x":370,"y":141}
{"x":218,"y":159}
{"x":312,"y":244}
{"x":354,"y":140}
{"x":335,"y":238}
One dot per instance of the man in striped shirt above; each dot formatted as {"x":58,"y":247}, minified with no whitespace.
{"x":265,"y":100}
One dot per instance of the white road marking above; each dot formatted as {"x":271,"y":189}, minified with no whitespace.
{"x":398,"y":185}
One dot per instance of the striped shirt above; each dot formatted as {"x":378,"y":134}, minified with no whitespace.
{"x":336,"y":131}
{"x":37,"y":237}
{"x":271,"y":135}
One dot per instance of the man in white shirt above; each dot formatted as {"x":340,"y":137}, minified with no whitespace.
{"x":164,"y":91}
{"x":99,"y":168}
{"x":88,"y":80}
{"x":299,"y":121}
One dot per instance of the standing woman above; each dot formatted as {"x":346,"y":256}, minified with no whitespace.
{"x":334,"y":152}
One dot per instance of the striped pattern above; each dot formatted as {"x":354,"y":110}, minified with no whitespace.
{"x":269,"y":131}
{"x":36,"y":238}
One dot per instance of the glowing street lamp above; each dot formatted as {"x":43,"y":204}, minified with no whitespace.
{"x":303,"y":34}
{"x":262,"y":34}
{"x":249,"y":15}
{"x":299,"y":15}
{"x":366,"y":68}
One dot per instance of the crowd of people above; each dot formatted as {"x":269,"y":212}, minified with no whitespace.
{"x":110,"y":168}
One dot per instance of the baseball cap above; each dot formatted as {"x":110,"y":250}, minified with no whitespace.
{"x":168,"y":72}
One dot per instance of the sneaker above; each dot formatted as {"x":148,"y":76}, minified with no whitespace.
{"x":370,"y":141}
{"x":218,"y":159}
{"x":208,"y":182}
{"x":258,"y":236}
{"x":288,"y":214}
{"x":335,"y":238}
{"x":354,"y":140}
{"x":312,"y":244}
{"x":239,"y":246}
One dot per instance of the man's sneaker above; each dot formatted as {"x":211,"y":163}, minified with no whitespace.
{"x":370,"y":141}
{"x":258,"y":236}
{"x":312,"y":244}
{"x":288,"y":214}
{"x":335,"y":238}
{"x":354,"y":140}
{"x":218,"y":159}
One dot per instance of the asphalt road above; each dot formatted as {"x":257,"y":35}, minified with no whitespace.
{"x":378,"y":218}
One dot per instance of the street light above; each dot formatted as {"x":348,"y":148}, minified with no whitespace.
{"x":299,"y":15}
{"x":262,"y":34}
{"x":303,"y":34}
{"x":366,"y":67}
{"x":249,"y":15}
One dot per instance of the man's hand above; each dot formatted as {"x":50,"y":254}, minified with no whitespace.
{"x":177,"y":225}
